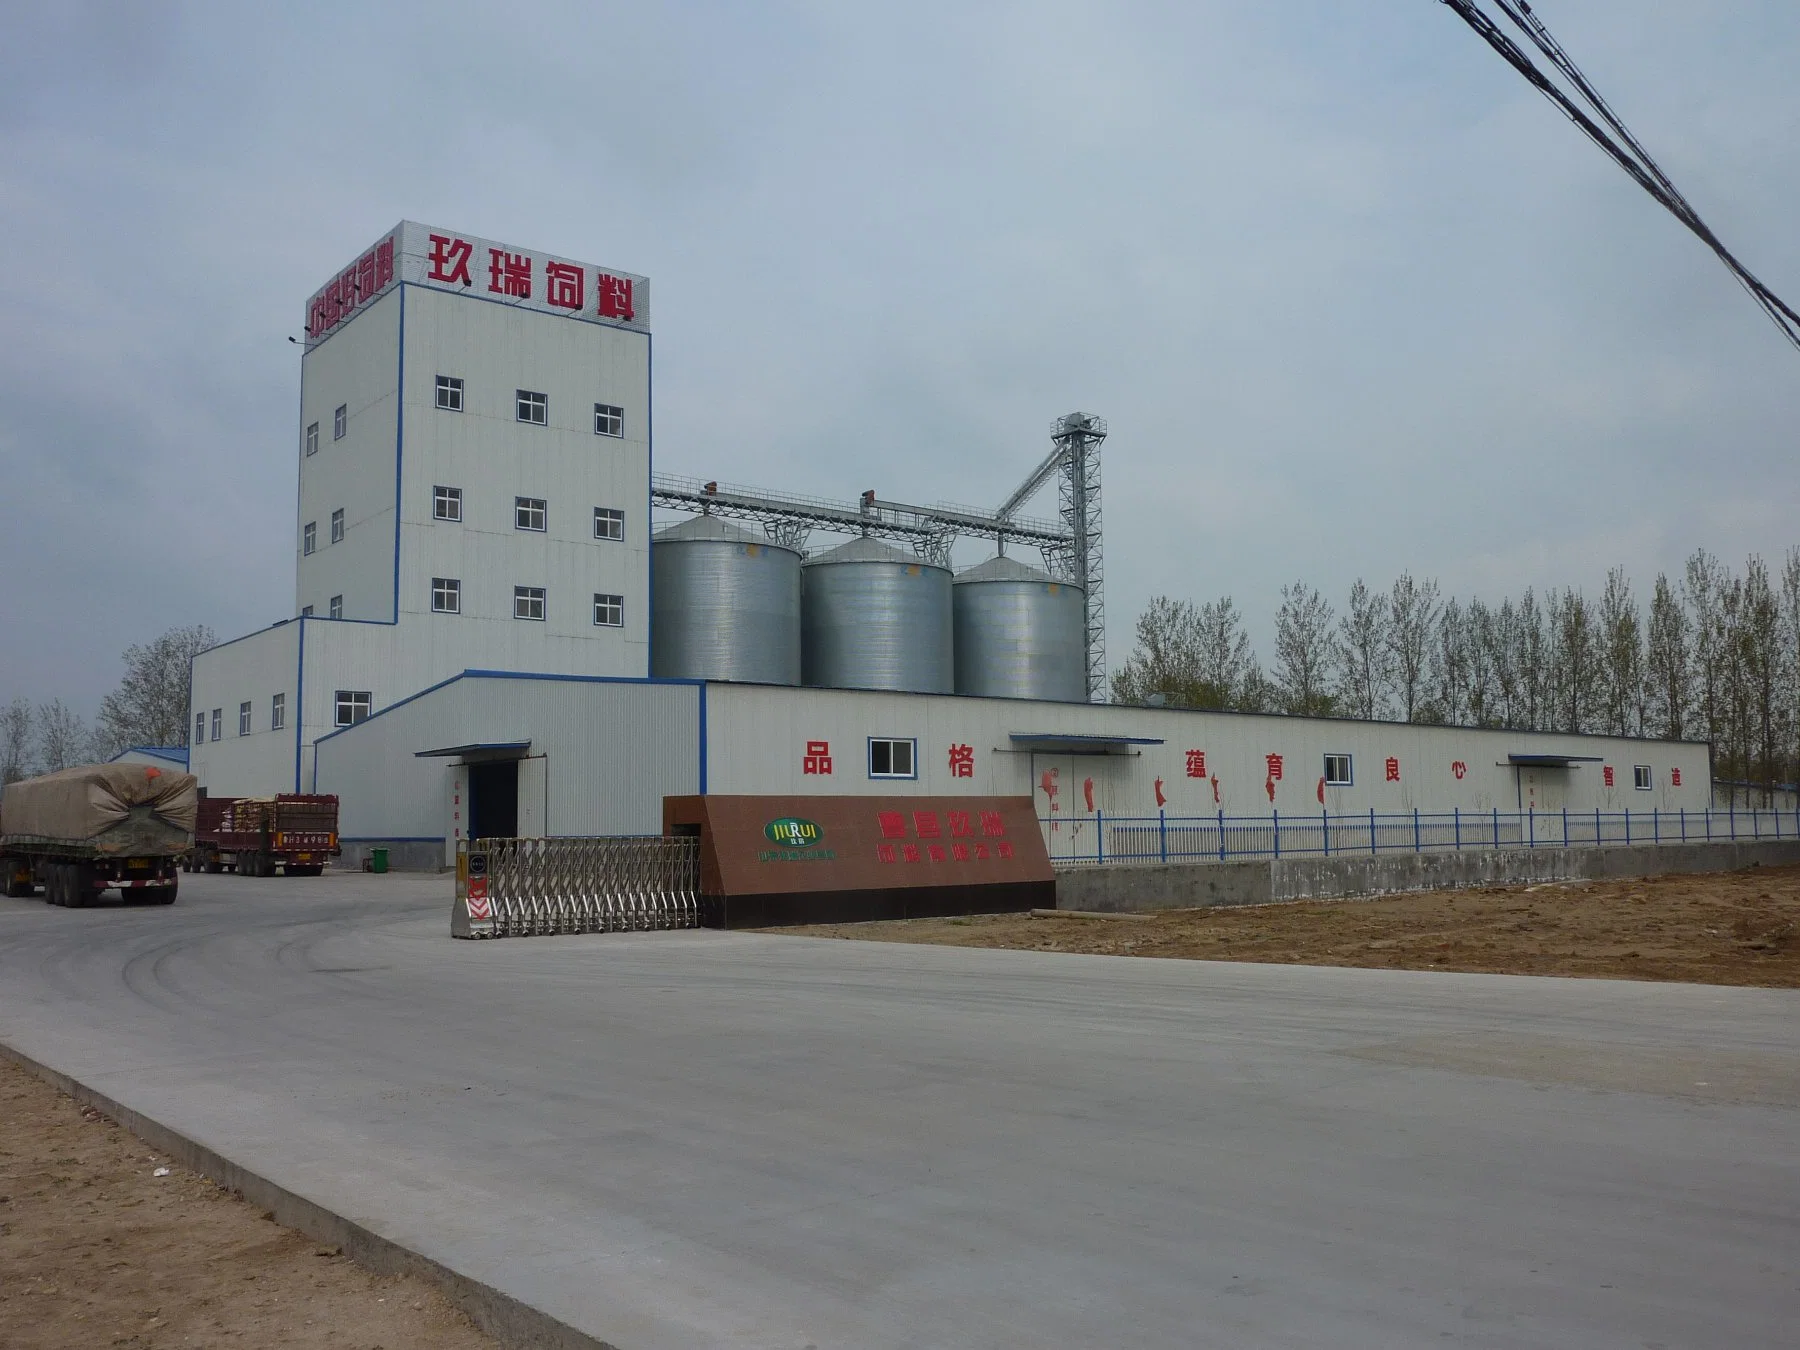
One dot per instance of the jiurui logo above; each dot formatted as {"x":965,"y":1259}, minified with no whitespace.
{"x":791,"y":832}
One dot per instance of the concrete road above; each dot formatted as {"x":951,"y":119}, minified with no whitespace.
{"x":699,"y":1139}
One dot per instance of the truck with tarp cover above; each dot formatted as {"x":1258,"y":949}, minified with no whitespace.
{"x":96,"y":827}
{"x":252,"y":836}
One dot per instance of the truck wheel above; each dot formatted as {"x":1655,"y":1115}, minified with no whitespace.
{"x":82,"y":894}
{"x":162,"y":895}
{"x":56,"y":884}
{"x":18,"y":879}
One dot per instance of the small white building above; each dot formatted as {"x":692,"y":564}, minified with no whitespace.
{"x":469,"y":650}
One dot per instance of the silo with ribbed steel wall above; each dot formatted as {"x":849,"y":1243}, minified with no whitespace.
{"x":725,"y":605}
{"x":872,"y":617}
{"x":1019,"y":633}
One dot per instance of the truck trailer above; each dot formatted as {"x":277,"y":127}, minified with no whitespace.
{"x":252,"y":836}
{"x":97,"y":827}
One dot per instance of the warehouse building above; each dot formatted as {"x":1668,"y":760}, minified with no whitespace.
{"x":489,"y":640}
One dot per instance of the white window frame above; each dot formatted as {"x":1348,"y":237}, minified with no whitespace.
{"x":244,"y":718}
{"x":218,"y":724}
{"x":306,"y":611}
{"x":277,"y":712}
{"x":527,"y":402}
{"x":1349,"y":775}
{"x":309,"y":539}
{"x":609,"y":420}
{"x":336,"y":608}
{"x":525,"y":509}
{"x":888,"y":744}
{"x":610,"y":517}
{"x":347,"y":702}
{"x":446,"y":595}
{"x":340,"y":421}
{"x":1643,"y":778}
{"x":525,"y":598}
{"x":446,"y":503}
{"x":312,"y":438}
{"x":337,"y":526}
{"x":450,"y":393}
{"x":609,"y":610}
{"x":200,"y":728}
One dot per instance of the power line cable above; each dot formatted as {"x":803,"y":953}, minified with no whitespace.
{"x":1626,"y":151}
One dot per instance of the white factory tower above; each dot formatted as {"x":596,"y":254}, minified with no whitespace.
{"x":473,"y":454}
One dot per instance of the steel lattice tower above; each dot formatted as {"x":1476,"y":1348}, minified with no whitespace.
{"x":1078,"y":437}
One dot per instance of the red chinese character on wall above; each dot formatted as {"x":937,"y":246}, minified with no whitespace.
{"x":450,"y":259}
{"x":509,"y":273}
{"x":1674,"y":777}
{"x":936,"y":851}
{"x":981,"y":852}
{"x":959,"y":824}
{"x":885,"y":852}
{"x":1458,"y":768}
{"x":962,"y":761}
{"x":893,"y":824}
{"x":1004,"y":849}
{"x":910,"y":852}
{"x":1606,"y":774}
{"x":991,"y":824}
{"x":1196,"y":764}
{"x":384,"y":262}
{"x":565,"y":285}
{"x":818,"y":758}
{"x":1393,"y":769}
{"x":365,"y":276}
{"x":960,"y":852}
{"x":926,"y":824}
{"x":1274,"y":762}
{"x":615,"y":297}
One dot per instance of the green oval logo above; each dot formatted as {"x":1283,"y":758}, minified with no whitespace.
{"x":792,"y":832}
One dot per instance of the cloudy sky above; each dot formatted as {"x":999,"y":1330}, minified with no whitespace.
{"x":1353,"y":299}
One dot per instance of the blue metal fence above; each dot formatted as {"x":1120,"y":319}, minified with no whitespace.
{"x":1102,"y":838}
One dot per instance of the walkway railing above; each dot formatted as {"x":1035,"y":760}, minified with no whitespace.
{"x":1102,"y":838}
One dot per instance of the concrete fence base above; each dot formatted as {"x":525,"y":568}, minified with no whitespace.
{"x":1117,"y":888}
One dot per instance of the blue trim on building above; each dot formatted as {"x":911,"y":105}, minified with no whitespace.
{"x":300,"y":703}
{"x":399,"y":445}
{"x":649,"y":527}
{"x":702,"y":739}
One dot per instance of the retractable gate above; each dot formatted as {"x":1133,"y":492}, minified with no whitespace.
{"x":527,"y":887}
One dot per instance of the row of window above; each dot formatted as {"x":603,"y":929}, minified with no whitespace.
{"x":277,"y":719}
{"x":531,"y":407}
{"x":529,"y":513}
{"x":350,"y":706}
{"x":528,"y":602}
{"x":309,"y":533}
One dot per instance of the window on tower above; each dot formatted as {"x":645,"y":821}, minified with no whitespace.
{"x":309,"y":536}
{"x":446,"y":595}
{"x":528,"y":513}
{"x":609,"y":420}
{"x":337,"y":526}
{"x":528,"y":602}
{"x":340,"y":421}
{"x":534,"y":408}
{"x":608,"y":523}
{"x":450,"y":393}
{"x":609,"y":610}
{"x":312,"y":438}
{"x":446,"y":503}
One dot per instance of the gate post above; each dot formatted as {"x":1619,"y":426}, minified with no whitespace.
{"x":1276,"y":816}
{"x":1162,"y":833}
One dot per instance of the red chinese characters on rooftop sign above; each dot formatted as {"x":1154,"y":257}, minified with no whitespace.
{"x":564,"y":285}
{"x":509,"y":274}
{"x":352,"y":288}
{"x":616,"y":297}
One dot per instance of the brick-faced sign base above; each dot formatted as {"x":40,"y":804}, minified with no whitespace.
{"x":770,"y":861}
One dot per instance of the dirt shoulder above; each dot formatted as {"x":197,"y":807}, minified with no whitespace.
{"x":96,"y":1249}
{"x":1738,"y":928}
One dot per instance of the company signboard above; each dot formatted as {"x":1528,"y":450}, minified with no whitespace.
{"x":449,"y":260}
{"x":772,"y":860}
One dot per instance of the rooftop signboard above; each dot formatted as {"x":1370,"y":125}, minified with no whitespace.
{"x":445,"y":260}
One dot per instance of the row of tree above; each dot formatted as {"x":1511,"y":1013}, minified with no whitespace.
{"x":1715,"y":656}
{"x":150,"y":707}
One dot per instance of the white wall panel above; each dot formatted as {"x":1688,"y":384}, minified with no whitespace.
{"x":252,"y":668}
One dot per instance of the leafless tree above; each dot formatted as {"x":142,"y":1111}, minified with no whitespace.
{"x":1790,"y":642}
{"x":1363,"y":655}
{"x":1449,"y":699}
{"x":1306,"y":655}
{"x":1228,"y":668}
{"x":1479,"y":650}
{"x":150,"y":706}
{"x":1703,"y":586}
{"x":1574,"y":662}
{"x":18,"y":738}
{"x":1536,"y":682}
{"x":62,"y":737}
{"x":1621,"y":657}
{"x":1668,"y":663}
{"x":1411,"y":626}
{"x":1760,"y":659}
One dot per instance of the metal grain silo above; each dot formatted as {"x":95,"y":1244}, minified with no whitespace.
{"x":1019,"y":634}
{"x":724,"y":605}
{"x":871,"y":617}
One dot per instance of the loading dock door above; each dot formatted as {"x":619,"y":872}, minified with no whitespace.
{"x":494,"y":799}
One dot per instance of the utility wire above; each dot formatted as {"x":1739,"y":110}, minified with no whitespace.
{"x":1626,"y":151}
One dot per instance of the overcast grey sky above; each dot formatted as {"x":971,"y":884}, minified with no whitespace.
{"x":1352,"y":297}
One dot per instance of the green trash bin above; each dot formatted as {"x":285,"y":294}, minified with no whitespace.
{"x":378,"y":860}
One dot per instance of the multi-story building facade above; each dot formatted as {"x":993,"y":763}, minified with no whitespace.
{"x":474,"y":473}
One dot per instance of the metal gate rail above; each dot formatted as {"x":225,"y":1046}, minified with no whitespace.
{"x":532,"y":887}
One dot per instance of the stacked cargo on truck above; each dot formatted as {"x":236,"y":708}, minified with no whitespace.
{"x":97,"y":827}
{"x":254,"y":836}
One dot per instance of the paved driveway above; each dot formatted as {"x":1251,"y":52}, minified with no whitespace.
{"x":704,"y":1139}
